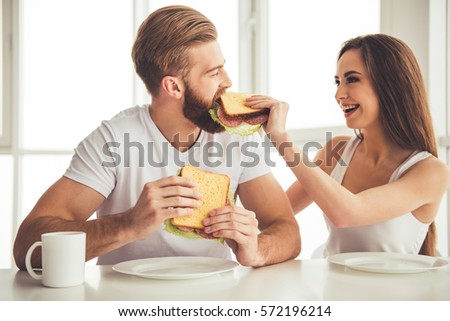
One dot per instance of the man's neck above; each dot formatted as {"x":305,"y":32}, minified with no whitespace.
{"x":178,"y":130}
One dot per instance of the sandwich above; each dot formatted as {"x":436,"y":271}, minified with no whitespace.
{"x":215,"y":189}
{"x":230,"y":112}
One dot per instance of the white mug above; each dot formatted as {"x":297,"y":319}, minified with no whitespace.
{"x":63,"y":259}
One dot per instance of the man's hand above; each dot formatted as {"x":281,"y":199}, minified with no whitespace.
{"x":165,"y":198}
{"x":239,"y":228}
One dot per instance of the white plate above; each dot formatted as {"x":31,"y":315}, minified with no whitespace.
{"x":179,"y":267}
{"x":384,"y":262}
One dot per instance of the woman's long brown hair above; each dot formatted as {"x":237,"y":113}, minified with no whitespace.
{"x":404,"y":111}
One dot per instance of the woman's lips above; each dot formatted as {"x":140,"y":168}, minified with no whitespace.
{"x":349,"y":109}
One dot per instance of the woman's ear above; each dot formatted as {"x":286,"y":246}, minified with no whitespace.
{"x":173,"y":86}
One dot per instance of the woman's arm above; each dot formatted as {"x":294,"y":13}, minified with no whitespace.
{"x":420,"y":190}
{"x":326,"y":159}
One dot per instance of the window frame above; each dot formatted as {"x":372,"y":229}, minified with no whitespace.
{"x":6,"y":68}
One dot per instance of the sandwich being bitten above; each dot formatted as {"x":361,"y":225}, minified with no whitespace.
{"x":235,"y":117}
{"x":214,"y":188}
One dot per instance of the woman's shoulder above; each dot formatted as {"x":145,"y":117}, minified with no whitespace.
{"x":432,"y":171}
{"x":434,"y":165}
{"x":432,"y":177}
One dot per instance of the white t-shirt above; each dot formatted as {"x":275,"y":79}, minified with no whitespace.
{"x":128,"y":151}
{"x":402,"y":234}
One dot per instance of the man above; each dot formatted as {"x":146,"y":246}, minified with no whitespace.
{"x":125,"y":170}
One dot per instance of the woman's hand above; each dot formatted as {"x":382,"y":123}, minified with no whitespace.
{"x":276,"y":124}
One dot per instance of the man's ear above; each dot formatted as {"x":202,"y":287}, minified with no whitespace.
{"x":173,"y":86}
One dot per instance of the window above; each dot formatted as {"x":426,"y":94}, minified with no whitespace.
{"x":74,"y":74}
{"x":304,"y":39}
{"x":64,"y":64}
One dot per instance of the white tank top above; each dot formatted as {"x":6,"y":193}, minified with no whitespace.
{"x":403,"y":234}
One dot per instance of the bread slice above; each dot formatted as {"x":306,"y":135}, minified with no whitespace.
{"x":233,"y":104}
{"x":214,"y":188}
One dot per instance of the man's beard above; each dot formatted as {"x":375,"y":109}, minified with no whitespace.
{"x":197,"y":110}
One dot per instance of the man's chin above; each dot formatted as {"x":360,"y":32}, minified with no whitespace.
{"x":206,"y":123}
{"x":197,"y":112}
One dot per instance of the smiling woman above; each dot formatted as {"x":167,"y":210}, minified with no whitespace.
{"x":384,"y":191}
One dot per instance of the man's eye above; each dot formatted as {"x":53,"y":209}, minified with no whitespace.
{"x":216,"y":73}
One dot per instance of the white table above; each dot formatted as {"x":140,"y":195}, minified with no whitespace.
{"x":294,"y":280}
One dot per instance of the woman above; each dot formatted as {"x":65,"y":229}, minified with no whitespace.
{"x":384,"y":190}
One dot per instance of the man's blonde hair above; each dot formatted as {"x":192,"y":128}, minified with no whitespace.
{"x":162,"y":43}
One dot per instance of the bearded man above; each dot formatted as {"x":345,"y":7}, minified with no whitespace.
{"x":126,"y":170}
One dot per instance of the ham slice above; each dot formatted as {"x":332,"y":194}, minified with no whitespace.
{"x":185,"y":228}
{"x":226,"y":120}
{"x":234,"y":121}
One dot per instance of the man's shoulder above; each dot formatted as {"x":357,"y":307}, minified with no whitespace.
{"x":127,"y":119}
{"x":128,"y":114}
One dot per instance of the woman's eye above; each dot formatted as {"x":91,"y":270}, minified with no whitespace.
{"x":352,"y":79}
{"x":337,"y":82}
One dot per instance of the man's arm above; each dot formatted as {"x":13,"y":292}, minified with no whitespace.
{"x":267,"y":209}
{"x":279,"y":239}
{"x":67,"y":206}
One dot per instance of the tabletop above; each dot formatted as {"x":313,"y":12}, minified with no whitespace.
{"x":314,"y":279}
